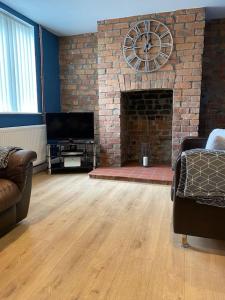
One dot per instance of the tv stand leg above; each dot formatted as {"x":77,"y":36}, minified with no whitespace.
{"x":49,"y":159}
{"x":94,"y":156}
{"x":184,"y":241}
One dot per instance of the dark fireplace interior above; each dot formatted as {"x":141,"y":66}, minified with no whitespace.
{"x":146,"y":117}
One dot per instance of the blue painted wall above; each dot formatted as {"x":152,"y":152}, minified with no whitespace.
{"x":51,"y":77}
{"x":51,"y":71}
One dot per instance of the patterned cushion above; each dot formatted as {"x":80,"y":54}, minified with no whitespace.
{"x":205,"y":171}
{"x":202,"y":177}
{"x":216,"y":140}
{"x":182,"y":180}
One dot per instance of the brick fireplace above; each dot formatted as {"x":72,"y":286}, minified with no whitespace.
{"x":95,"y":76}
{"x":182,"y":75}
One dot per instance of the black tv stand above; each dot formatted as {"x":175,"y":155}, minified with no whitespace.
{"x":71,"y":156}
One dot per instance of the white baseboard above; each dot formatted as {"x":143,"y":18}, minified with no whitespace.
{"x":40,"y":168}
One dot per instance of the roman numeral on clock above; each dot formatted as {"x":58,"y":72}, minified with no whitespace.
{"x":147,"y":66}
{"x":131,"y":57}
{"x":157,"y":65}
{"x":165,"y":45}
{"x":128,"y":47}
{"x":157,"y":27}
{"x":164,"y":55}
{"x":137,"y":29}
{"x":137,"y":64}
{"x":147,"y":26}
{"x":165,"y":33}
{"x":130,"y":38}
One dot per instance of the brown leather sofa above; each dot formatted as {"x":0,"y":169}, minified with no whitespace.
{"x":15,"y":189}
{"x":189,"y":217}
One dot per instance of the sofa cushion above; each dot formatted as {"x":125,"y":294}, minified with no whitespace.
{"x":216,"y":140}
{"x":9,"y":194}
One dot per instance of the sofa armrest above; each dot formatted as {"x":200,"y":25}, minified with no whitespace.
{"x":188,"y":143}
{"x":17,"y":166}
{"x":176,"y":177}
{"x":192,"y":143}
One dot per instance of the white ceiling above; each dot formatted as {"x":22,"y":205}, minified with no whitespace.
{"x":68,"y":17}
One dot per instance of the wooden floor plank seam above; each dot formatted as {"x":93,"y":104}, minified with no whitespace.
{"x":105,"y":240}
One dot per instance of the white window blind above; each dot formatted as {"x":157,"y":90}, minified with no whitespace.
{"x":18,"y":87}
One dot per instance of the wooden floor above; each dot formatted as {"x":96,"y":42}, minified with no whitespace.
{"x":108,"y":240}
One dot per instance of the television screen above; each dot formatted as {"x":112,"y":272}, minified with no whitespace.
{"x":65,"y":126}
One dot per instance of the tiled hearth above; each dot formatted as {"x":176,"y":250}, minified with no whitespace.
{"x":160,"y":174}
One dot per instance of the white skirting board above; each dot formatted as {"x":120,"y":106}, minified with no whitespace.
{"x":27,"y":137}
{"x":40,"y":168}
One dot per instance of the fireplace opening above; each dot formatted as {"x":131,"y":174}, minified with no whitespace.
{"x":146,"y":118}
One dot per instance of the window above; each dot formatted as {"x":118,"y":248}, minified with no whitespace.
{"x":18,"y":87}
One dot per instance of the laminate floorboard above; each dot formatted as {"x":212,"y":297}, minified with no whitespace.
{"x":105,"y":240}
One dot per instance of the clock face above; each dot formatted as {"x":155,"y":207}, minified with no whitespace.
{"x":147,"y":46}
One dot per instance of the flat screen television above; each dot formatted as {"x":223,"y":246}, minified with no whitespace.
{"x":70,"y":126}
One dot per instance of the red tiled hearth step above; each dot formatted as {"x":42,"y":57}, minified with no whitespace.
{"x":157,"y":174}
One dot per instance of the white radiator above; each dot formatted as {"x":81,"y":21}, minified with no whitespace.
{"x":27,"y":137}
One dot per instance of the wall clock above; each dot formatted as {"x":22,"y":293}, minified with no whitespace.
{"x":147,"y":46}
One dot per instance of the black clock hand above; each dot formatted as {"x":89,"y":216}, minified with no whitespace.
{"x":146,"y":39}
{"x":146,"y":42}
{"x":149,"y":39}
